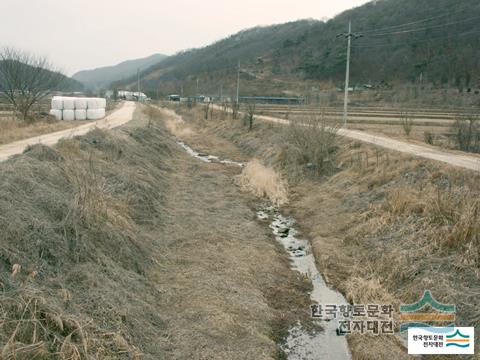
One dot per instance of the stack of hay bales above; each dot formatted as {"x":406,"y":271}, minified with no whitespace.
{"x":72,"y":108}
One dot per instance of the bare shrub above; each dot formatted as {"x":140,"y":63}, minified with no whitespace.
{"x":311,"y":146}
{"x":467,"y":132}
{"x":429,"y":137}
{"x":407,"y":122}
{"x":263,"y":182}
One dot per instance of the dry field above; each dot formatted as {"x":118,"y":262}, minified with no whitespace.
{"x":379,"y":120}
{"x":384,"y":227}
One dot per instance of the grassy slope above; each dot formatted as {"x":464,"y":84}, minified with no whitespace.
{"x":384,"y":227}
{"x":117,"y":244}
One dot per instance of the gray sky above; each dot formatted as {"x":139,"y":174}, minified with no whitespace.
{"x":84,"y":34}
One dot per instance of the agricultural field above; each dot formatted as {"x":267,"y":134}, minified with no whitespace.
{"x":377,"y":120}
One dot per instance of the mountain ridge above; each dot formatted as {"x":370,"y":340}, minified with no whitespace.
{"x":283,"y":58}
{"x":102,"y":77}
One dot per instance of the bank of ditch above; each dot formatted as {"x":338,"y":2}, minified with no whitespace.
{"x":118,"y":245}
{"x":384,"y":227}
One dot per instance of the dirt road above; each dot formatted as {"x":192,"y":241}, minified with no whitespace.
{"x":119,"y":117}
{"x":470,"y":162}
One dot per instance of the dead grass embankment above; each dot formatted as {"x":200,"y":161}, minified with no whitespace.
{"x":117,"y":245}
{"x":73,"y":255}
{"x":384,"y":227}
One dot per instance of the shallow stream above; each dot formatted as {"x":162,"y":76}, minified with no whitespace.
{"x":300,"y":343}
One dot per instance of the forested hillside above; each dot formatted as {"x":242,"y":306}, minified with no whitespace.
{"x":402,"y":41}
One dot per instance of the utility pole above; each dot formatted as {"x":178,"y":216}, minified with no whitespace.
{"x":221,"y":92}
{"x":197,"y":87}
{"x":138,"y":82}
{"x":348,"y":36}
{"x":238,"y":82}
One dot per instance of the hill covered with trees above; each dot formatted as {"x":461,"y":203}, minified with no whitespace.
{"x":401,"y":41}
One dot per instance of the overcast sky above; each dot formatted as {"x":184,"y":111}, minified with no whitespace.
{"x":84,"y":34}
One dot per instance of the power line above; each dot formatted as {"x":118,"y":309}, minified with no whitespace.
{"x":473,"y":32}
{"x":416,"y":22}
{"x":425,"y":28}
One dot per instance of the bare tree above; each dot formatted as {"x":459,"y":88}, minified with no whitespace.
{"x":206,"y":108}
{"x":224,"y":110}
{"x":26,"y":79}
{"x":235,"y":108}
{"x":250,"y":114}
{"x":407,"y":122}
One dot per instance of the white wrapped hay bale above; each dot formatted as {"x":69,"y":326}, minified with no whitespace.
{"x":57,"y":113}
{"x":80,"y":103}
{"x":80,"y":114}
{"x":102,"y":103}
{"x":68,"y":103}
{"x":57,"y":103}
{"x":96,"y":103}
{"x":68,"y":115}
{"x":92,"y":103}
{"x":95,"y":114}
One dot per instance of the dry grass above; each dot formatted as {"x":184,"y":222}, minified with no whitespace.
{"x":72,"y":249}
{"x":264,"y":182}
{"x":117,"y":245}
{"x":173,"y":122}
{"x":384,"y":227}
{"x":12,"y":129}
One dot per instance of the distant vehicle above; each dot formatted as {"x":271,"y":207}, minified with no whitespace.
{"x":174,"y":97}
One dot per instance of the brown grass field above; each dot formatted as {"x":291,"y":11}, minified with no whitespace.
{"x":384,"y":226}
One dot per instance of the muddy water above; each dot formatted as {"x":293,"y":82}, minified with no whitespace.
{"x":300,"y":344}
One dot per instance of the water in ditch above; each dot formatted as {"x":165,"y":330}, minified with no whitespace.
{"x":206,"y":157}
{"x":300,"y":343}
